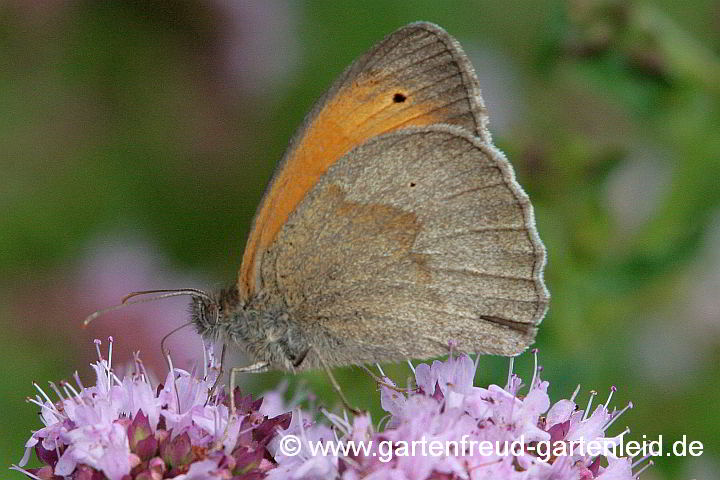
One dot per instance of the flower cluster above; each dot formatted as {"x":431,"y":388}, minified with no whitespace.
{"x":446,"y":406}
{"x":125,"y":429}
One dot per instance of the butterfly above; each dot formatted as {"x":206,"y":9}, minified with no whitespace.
{"x":392,"y":226}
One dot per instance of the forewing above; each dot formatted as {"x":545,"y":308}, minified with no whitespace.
{"x":416,"y":76}
{"x":413,"y":240}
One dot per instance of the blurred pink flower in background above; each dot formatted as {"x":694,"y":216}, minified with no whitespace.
{"x":671,"y":351}
{"x":38,"y":10}
{"x":501,"y":89}
{"x":116,"y":266}
{"x":637,"y":187}
{"x":258,"y":45}
{"x":113,"y":266}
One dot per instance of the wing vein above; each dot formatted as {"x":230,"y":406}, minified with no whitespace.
{"x":419,"y":38}
{"x":477,"y":273}
{"x":472,"y":190}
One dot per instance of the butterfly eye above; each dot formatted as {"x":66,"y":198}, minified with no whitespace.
{"x":213,"y":312}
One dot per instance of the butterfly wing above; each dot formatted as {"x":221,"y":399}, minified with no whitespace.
{"x":416,"y":76}
{"x":413,"y":239}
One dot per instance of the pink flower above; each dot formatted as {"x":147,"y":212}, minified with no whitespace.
{"x":304,"y":465}
{"x":128,"y":428}
{"x":446,"y":407}
{"x":103,"y":446}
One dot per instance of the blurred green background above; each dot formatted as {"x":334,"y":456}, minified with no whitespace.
{"x":137,"y":137}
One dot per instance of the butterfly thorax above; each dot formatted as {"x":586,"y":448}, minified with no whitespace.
{"x":260,"y":328}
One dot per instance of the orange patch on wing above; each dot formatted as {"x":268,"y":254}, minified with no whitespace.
{"x":354,"y":115}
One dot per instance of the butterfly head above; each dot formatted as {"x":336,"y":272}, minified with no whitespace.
{"x":212,"y":313}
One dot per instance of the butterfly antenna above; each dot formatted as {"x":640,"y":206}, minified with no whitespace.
{"x":166,"y":353}
{"x":163,"y":294}
{"x":174,"y":330}
{"x":178,"y":291}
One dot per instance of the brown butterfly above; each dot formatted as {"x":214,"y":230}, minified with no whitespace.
{"x":391,"y":227}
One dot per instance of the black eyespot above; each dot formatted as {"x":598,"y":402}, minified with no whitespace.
{"x":399,"y":98}
{"x":412,"y":184}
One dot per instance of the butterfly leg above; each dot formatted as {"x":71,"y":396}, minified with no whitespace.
{"x":258,"y":367}
{"x":382,"y":383}
{"x":254,"y":368}
{"x":336,"y":385}
{"x":213,"y":389}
